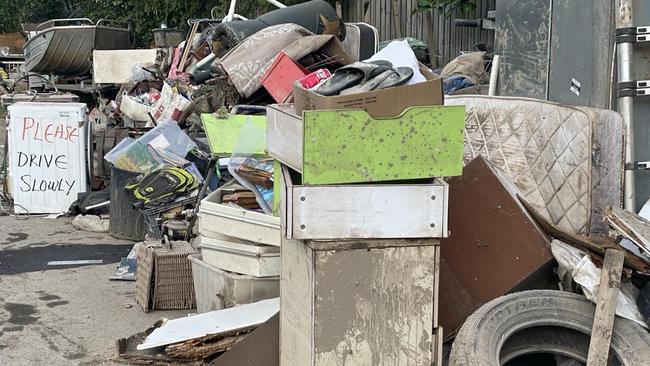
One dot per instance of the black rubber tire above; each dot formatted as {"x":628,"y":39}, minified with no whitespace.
{"x":480,"y":340}
{"x":550,"y":340}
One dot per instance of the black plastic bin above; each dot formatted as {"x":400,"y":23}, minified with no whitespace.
{"x":125,"y":221}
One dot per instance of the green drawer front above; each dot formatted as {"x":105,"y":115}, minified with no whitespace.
{"x":346,"y":146}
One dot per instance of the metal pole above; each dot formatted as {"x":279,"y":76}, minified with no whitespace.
{"x":231,"y":11}
{"x":494,"y":75}
{"x":625,"y":104}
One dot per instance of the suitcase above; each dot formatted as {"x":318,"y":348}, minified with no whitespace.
{"x":361,"y":40}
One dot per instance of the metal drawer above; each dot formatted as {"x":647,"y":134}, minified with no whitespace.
{"x":369,"y":211}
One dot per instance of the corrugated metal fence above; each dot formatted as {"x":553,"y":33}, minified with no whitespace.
{"x":451,"y":40}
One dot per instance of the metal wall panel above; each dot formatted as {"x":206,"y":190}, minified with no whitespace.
{"x":522,"y":42}
{"x":641,"y":59}
{"x":451,"y":39}
{"x":582,"y":39}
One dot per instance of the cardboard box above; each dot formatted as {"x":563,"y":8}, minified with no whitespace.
{"x":380,"y":103}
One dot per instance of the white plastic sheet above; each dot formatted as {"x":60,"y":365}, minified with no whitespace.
{"x":577,"y":263}
{"x":214,"y":322}
{"x":400,"y":54}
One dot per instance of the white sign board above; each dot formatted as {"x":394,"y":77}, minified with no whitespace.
{"x":47,"y":155}
{"x":115,"y":66}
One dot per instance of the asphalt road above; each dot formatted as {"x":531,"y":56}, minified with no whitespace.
{"x":63,"y":315}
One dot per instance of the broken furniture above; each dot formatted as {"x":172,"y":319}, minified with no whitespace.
{"x":479,"y":262}
{"x":359,"y":280}
{"x":240,"y":244}
{"x":351,"y":146}
{"x":358,"y":300}
{"x":164,"y":277}
{"x":363,"y":211}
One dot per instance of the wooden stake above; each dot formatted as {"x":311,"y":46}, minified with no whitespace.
{"x":610,"y":282}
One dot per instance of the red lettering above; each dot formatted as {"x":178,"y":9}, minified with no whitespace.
{"x":71,"y":132}
{"x":48,"y":133}
{"x":59,"y":132}
{"x":25,"y":127}
{"x":38,"y":126}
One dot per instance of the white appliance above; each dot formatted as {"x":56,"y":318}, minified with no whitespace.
{"x":47,"y":155}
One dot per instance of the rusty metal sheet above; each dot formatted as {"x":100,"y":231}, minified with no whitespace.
{"x":494,"y":245}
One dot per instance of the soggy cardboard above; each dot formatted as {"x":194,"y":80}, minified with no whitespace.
{"x":380,"y":103}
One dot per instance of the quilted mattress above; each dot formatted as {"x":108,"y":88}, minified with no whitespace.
{"x":566,"y":161}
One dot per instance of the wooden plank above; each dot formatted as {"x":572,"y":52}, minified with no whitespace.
{"x":632,"y":226}
{"x":296,"y":302}
{"x":601,"y":334}
{"x":589,"y":244}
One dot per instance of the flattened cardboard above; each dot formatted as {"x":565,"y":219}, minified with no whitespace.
{"x":380,"y":103}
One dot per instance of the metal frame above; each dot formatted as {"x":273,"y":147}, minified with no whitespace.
{"x":233,"y":3}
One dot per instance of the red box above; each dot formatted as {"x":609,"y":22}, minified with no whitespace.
{"x":278,"y":79}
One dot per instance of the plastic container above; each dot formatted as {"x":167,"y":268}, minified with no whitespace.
{"x":133,"y":157}
{"x":278,"y":79}
{"x":125,"y":222}
{"x":215,"y":289}
{"x":169,"y":137}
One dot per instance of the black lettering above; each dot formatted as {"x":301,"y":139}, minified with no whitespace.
{"x":32,"y":157}
{"x":25,"y":180}
{"x":42,"y":186}
{"x":61,"y":162}
{"x":70,"y":185}
{"x":52,"y":186}
{"x":48,"y":162}
{"x":22,"y":155}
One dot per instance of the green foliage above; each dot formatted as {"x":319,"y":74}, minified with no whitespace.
{"x":142,"y":15}
{"x":448,"y":5}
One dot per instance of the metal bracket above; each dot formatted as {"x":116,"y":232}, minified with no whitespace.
{"x":633,"y":34}
{"x":639,"y":165}
{"x":634,"y":88}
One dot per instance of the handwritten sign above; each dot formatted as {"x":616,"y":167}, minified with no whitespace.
{"x":48,"y":156}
